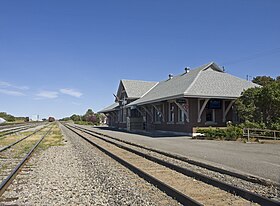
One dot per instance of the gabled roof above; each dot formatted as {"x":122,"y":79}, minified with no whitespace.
{"x":110,"y":108}
{"x":205,"y":81}
{"x":135,"y":88}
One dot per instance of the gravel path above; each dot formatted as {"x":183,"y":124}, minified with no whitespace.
{"x":79,"y":174}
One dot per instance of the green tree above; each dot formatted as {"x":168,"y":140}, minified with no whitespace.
{"x":263,"y":80}
{"x":7,"y":117}
{"x":260,"y":105}
{"x":75,"y":117}
{"x":246,"y":105}
{"x":268,"y":103}
{"x":87,"y":115}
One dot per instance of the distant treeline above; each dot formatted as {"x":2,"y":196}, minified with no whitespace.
{"x":11,"y":118}
{"x":88,"y":118}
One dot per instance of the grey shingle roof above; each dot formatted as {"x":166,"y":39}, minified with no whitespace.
{"x":136,"y":88}
{"x":206,"y":81}
{"x":110,"y":108}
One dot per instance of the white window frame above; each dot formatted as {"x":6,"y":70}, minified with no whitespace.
{"x":158,"y":113}
{"x":171,"y":113}
{"x":181,"y":115}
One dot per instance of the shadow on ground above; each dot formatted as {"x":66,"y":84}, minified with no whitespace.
{"x":153,"y":134}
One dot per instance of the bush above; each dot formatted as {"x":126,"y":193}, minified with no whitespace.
{"x":233,"y":133}
{"x":228,"y":133}
{"x":276,"y":126}
{"x":83,"y":123}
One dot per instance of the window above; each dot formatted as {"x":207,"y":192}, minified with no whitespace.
{"x":119,"y":115}
{"x":124,"y":115}
{"x":171,"y":112}
{"x":181,"y":115}
{"x":158,"y":113}
{"x":135,"y":113}
{"x":210,"y":115}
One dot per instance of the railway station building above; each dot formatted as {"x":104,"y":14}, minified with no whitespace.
{"x":199,"y":97}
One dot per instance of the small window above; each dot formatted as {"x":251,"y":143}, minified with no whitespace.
{"x":158,"y":113}
{"x":124,"y":115}
{"x":210,"y":115}
{"x":181,"y":115}
{"x":171,"y":112}
{"x":135,"y":113}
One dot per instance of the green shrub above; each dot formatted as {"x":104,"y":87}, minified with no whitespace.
{"x":229,"y":133}
{"x":276,"y":126}
{"x":83,"y":123}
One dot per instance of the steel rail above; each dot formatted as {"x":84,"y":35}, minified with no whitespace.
{"x":193,"y":162}
{"x":9,"y":126}
{"x":14,"y":143}
{"x":16,"y":130}
{"x":180,"y":197}
{"x":214,"y":182}
{"x":6,"y":182}
{"x":12,"y":128}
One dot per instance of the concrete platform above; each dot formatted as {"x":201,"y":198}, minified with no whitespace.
{"x":262,"y":160}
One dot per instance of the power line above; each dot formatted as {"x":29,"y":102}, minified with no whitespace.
{"x":255,"y":56}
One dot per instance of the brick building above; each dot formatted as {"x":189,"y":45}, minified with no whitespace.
{"x":196,"y":98}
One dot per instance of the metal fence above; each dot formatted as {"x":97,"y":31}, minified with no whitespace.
{"x":261,"y":133}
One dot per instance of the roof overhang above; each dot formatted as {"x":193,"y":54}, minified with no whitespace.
{"x":181,"y":96}
{"x":110,"y":108}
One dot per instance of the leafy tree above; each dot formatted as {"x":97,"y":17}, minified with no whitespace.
{"x":261,"y":104}
{"x":66,"y":119}
{"x":87,"y":115}
{"x":268,"y":103}
{"x":263,"y":80}
{"x":246,"y":106}
{"x":88,"y":118}
{"x":75,"y":117}
{"x":7,"y":117}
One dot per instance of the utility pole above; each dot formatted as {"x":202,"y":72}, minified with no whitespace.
{"x":248,"y":77}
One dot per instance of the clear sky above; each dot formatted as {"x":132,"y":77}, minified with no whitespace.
{"x":59,"y":57}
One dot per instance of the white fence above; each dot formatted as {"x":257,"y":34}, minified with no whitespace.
{"x":261,"y":133}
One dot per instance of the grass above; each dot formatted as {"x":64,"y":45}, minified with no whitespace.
{"x":12,"y":138}
{"x":3,"y":168}
{"x":54,"y":138}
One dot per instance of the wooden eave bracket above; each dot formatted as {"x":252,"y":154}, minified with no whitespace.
{"x":200,"y":110}
{"x":156,"y":108}
{"x":147,"y":111}
{"x":139,"y":110}
{"x":186,"y":111}
{"x":226,"y":110}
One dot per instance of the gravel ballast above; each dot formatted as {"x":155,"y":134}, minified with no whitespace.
{"x":79,"y":174}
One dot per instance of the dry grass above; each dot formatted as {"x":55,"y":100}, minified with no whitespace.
{"x":23,"y":147}
{"x":54,"y":138}
{"x":12,"y":138}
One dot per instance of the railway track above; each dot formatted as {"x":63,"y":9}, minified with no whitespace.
{"x":196,"y":165}
{"x":4,"y":133}
{"x":21,"y":139}
{"x":186,"y":186}
{"x":13,"y":161}
{"x":3,"y":127}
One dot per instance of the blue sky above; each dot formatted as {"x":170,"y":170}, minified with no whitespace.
{"x":60,"y":57}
